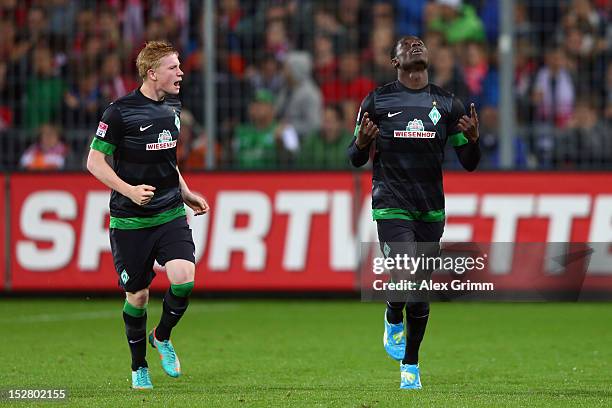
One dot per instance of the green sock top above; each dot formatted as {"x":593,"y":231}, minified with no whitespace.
{"x":134,"y":311}
{"x":182,"y":289}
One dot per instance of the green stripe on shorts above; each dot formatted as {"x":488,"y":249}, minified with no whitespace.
{"x":401,"y":214}
{"x":130,"y":223}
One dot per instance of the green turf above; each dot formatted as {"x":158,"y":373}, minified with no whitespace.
{"x":273,"y":353}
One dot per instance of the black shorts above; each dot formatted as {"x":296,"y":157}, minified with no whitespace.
{"x":409,"y":231}
{"x":136,"y":250}
{"x":412,"y":238}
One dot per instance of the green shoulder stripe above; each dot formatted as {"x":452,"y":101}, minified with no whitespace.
{"x":458,"y":139}
{"x":102,"y":146}
{"x":129,"y":223}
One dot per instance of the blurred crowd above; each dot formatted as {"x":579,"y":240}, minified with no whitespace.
{"x":291,"y":74}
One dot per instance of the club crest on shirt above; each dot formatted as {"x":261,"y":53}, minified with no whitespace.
{"x":177,"y":121}
{"x":434,"y":115}
{"x":415,"y":130}
{"x":164,"y":141}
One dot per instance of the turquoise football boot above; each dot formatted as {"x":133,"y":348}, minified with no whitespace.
{"x":141,"y":379}
{"x":169,"y":360}
{"x":410,"y":377}
{"x":394,"y":339}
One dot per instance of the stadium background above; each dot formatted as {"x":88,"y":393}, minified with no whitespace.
{"x":270,"y":92}
{"x":287,"y":211}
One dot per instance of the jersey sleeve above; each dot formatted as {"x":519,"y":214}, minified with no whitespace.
{"x":367,"y":105}
{"x":359,"y":157}
{"x":455,"y":135}
{"x":110,"y":131}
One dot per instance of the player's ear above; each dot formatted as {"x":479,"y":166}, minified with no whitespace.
{"x":152,"y":75}
{"x":395,"y":62}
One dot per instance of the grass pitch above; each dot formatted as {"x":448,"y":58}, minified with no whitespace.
{"x":313,"y":353}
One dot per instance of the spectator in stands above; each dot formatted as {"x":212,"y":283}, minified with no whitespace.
{"x":253,"y":29}
{"x":91,"y":55}
{"x":266,"y":75}
{"x":133,"y":27}
{"x":325,"y":61}
{"x":553,"y":100}
{"x":475,"y":68}
{"x":583,"y":37}
{"x":586,"y":143}
{"x":48,"y":153}
{"x":409,"y":17}
{"x":108,"y":29}
{"x":62,"y":15}
{"x":263,"y":142}
{"x":327,"y":149}
{"x":325,"y":23}
{"x":523,"y":27}
{"x":154,"y":30}
{"x":193,"y":144}
{"x":447,"y":74}
{"x":489,"y":14}
{"x":583,"y":16}
{"x":382,"y":13}
{"x":434,"y":40}
{"x":300,"y":102}
{"x":85,"y":28}
{"x":376,"y":58}
{"x":175,"y":15}
{"x":277,"y":39}
{"x":113,"y":84}
{"x":524,"y":73}
{"x":43,"y":90}
{"x":28,"y":36}
{"x":8,"y":45}
{"x":37,"y":29}
{"x":355,"y":19}
{"x":233,"y":95}
{"x":350,"y":84}
{"x":6,"y":110}
{"x":553,"y":95}
{"x":459,"y":22}
{"x":230,"y":14}
{"x":83,"y":102}
{"x":489,"y":142}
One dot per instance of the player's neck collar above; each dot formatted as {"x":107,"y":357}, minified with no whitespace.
{"x":139,"y":92}
{"x":404,"y":87}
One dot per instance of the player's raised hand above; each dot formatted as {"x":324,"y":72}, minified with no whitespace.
{"x":141,"y":194}
{"x":196,"y":202}
{"x":368,"y":131}
{"x":469,"y":125}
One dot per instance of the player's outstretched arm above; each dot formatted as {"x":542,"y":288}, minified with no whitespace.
{"x":359,"y":149}
{"x":194,"y":201}
{"x":97,"y":165}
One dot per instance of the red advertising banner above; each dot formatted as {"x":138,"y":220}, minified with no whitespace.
{"x":300,"y":231}
{"x":266,"y":231}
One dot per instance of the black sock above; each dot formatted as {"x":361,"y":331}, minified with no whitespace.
{"x":417,"y":315}
{"x":173,"y":309}
{"x":136,"y":332}
{"x":395,"y":312}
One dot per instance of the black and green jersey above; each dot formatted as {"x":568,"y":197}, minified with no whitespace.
{"x":414,"y":127}
{"x":141,"y":135}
